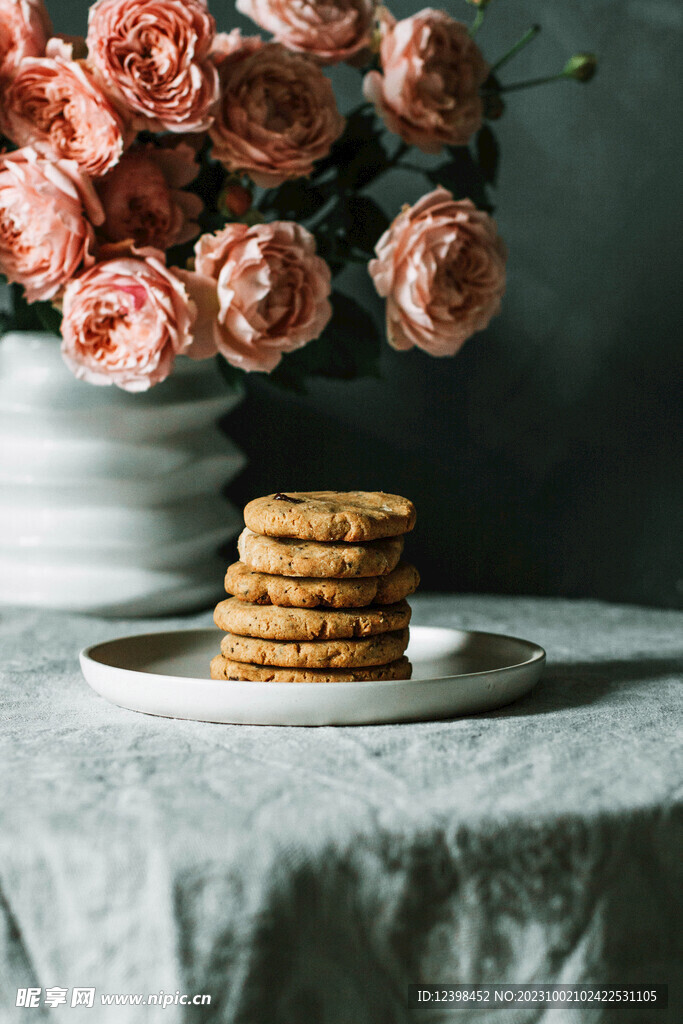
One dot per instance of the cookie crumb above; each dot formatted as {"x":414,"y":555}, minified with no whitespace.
{"x":285,"y":497}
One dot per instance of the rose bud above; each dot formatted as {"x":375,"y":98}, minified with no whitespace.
{"x":582,"y":67}
{"x":235,"y":199}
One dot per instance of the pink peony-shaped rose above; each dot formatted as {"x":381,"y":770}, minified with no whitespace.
{"x":66,"y":47}
{"x":428,"y":91}
{"x":47,"y":209}
{"x":272,"y":291}
{"x":143,"y":198}
{"x":329,"y":30}
{"x":154,"y":56}
{"x":276,"y":117}
{"x":24,"y":31}
{"x":441,"y":268}
{"x":225,"y":44}
{"x":57,"y":107}
{"x":125,"y":320}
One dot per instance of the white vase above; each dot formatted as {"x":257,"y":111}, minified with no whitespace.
{"x":110,"y":502}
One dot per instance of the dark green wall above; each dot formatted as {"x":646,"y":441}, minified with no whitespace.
{"x":546,"y":457}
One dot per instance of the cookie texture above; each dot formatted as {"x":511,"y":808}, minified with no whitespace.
{"x":309,"y":592}
{"x":273,"y":623}
{"x":372,"y":650}
{"x":224,"y":668}
{"x":283,"y":556}
{"x":350,"y":516}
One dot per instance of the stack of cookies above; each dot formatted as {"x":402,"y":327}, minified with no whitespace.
{"x":319,"y":591}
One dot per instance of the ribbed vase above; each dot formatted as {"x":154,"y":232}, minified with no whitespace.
{"x":110,"y":502}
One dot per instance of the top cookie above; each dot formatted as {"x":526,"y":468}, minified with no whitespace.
{"x":349,"y":516}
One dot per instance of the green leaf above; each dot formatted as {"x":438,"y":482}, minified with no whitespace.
{"x":178,"y":255}
{"x":365,"y":221}
{"x":209,"y":181}
{"x":361,"y":127}
{"x":289,"y":375}
{"x":24,"y":317}
{"x":296,"y":200}
{"x":210,"y":221}
{"x":351,"y":343}
{"x":49,"y":317}
{"x":231,"y":376}
{"x":360,"y":123}
{"x":462,"y":176}
{"x":331,"y":244}
{"x":367,"y":163}
{"x":348,"y":348}
{"x":488,"y":154}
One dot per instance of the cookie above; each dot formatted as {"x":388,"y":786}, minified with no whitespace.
{"x":273,"y":623}
{"x":371,"y":650}
{"x":309,"y":592}
{"x":350,"y":516}
{"x":223,"y":668}
{"x":282,"y":556}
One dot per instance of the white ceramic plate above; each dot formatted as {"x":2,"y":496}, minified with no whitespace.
{"x":454,"y":673}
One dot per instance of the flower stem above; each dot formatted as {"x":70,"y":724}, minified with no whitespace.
{"x":532,"y":82}
{"x":478,"y":21}
{"x":528,"y":36}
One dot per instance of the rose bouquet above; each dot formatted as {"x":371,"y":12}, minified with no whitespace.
{"x":167,"y":189}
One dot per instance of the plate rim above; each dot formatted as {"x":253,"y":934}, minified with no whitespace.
{"x":85,"y":656}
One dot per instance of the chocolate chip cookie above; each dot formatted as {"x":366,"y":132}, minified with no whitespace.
{"x":283,"y":556}
{"x":350,"y":516}
{"x":371,"y":650}
{"x":224,"y":668}
{"x":272,"y":623}
{"x":311,"y":592}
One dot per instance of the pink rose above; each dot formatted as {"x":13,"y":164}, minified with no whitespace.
{"x":428,"y":92}
{"x":154,"y":56}
{"x":24,"y":31}
{"x":277,"y":115}
{"x":57,"y":107}
{"x":66,"y":47}
{"x":125,"y":321}
{"x":329,"y":30}
{"x":143,"y":198}
{"x":225,"y":44}
{"x":272,"y":291}
{"x":47,"y":209}
{"x":441,"y":268}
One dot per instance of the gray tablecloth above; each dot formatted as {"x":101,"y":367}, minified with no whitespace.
{"x":308,"y":876}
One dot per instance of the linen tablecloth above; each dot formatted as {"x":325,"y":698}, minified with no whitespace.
{"x":309,"y":875}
